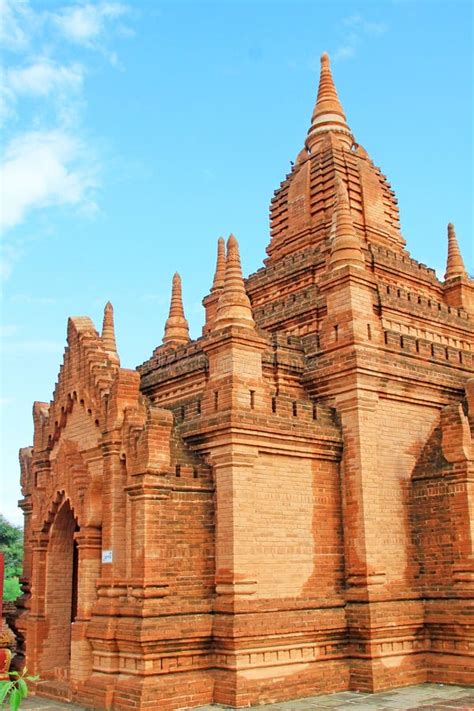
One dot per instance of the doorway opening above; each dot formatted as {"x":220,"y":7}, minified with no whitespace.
{"x":61,"y":592}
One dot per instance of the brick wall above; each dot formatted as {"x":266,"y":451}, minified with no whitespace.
{"x":281,"y":507}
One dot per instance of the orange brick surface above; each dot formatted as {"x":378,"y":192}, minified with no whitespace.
{"x":283,"y":506}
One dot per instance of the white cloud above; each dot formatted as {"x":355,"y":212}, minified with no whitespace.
{"x":48,"y":159}
{"x":10,"y":254}
{"x":356,"y":29}
{"x":41,"y":169}
{"x":10,"y":510}
{"x":28,"y":299}
{"x":14,"y":15}
{"x":7,"y":330}
{"x":85,"y":23}
{"x":5,"y":401}
{"x":344,"y":52}
{"x":43,"y":77}
{"x":367,"y":26}
{"x":375,"y":28}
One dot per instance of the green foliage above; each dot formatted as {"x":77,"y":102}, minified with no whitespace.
{"x":11,"y":589}
{"x":13,"y":692}
{"x":11,"y":545}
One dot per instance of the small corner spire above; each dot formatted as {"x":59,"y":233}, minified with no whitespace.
{"x":176,"y":327}
{"x":108,"y":333}
{"x":328,"y":114}
{"x":219,"y":275}
{"x":234,"y":304}
{"x":455,"y":264}
{"x":346,"y":246}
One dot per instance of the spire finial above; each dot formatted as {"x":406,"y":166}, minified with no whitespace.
{"x":108,"y":333}
{"x":234,"y":304}
{"x":455,"y":265}
{"x":219,"y":275}
{"x":328,"y":114}
{"x":176,"y":327}
{"x":346,"y":247}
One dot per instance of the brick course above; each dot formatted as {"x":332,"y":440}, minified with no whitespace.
{"x":283,"y":506}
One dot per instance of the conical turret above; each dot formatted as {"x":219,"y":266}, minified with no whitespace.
{"x":219,"y":275}
{"x":176,"y":327}
{"x":234,"y":304}
{"x":108,"y":333}
{"x":211,"y":300}
{"x":328,"y":114}
{"x":346,"y":246}
{"x":455,"y":264}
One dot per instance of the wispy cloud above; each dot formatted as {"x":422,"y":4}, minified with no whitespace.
{"x":10,"y":255}
{"x":366,"y":26}
{"x":345,"y":51}
{"x":43,"y":77}
{"x":28,"y":299}
{"x":41,"y":169}
{"x":355,"y":29}
{"x":48,"y":159}
{"x":15,"y":22}
{"x":85,"y":23}
{"x":89,"y":24}
{"x":7,"y":330}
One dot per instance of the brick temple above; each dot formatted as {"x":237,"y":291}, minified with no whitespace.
{"x":283,"y":506}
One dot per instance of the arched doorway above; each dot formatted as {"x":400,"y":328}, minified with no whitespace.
{"x":61,"y":593}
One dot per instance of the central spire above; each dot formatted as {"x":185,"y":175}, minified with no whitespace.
{"x":328,"y":114}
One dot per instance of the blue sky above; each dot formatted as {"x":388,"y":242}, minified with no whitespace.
{"x":135,"y":133}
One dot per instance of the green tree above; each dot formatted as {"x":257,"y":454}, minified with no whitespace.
{"x":15,"y":689}
{"x":11,"y":545}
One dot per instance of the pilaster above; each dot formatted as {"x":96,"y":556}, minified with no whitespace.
{"x":113,"y":505}
{"x":37,"y":628}
{"x":351,"y":295}
{"x":89,"y":545}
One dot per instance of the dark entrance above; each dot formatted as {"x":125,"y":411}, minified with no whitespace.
{"x":61,"y":593}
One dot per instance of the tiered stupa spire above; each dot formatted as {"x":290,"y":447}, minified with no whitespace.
{"x":455,"y":264}
{"x":219,"y":275}
{"x":176,"y":327}
{"x":328,"y":114}
{"x":108,"y":333}
{"x":346,"y":247}
{"x":234,"y":304}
